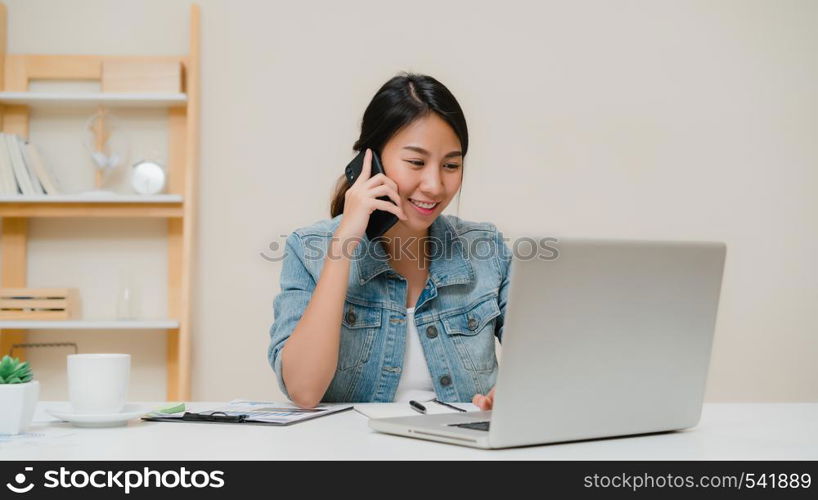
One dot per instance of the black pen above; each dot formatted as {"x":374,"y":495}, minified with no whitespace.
{"x":216,"y":416}
{"x":417,"y":407}
{"x":447,"y":404}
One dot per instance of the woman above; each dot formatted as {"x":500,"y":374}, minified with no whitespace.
{"x":412,"y":314}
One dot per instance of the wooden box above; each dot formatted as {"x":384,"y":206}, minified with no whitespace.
{"x":142,"y":76}
{"x":39,"y":303}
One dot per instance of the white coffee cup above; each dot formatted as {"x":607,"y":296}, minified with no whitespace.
{"x":98,"y":383}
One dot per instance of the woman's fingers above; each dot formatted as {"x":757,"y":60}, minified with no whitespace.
{"x":389,"y":207}
{"x":484,"y":402}
{"x":384,"y":190}
{"x":366,"y":169}
{"x":380,"y":179}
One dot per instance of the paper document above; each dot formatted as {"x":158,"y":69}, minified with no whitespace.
{"x":266,"y":412}
{"x":387,"y":410}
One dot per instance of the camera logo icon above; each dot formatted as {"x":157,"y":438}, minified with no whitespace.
{"x":20,"y":478}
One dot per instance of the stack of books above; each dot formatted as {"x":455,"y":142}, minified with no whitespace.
{"x":22,"y":170}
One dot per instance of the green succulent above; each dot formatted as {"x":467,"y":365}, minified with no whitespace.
{"x":12,"y":371}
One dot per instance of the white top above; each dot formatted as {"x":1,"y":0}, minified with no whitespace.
{"x":415,"y":380}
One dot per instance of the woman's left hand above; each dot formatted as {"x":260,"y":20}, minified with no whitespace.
{"x":484,"y":402}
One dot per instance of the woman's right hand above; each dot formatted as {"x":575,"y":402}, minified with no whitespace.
{"x":484,"y":402}
{"x":361,"y":199}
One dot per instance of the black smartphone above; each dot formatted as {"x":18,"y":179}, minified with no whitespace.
{"x":380,"y":221}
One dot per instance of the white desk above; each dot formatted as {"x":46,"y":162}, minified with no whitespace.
{"x":726,"y":432}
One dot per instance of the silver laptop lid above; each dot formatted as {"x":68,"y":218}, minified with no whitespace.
{"x":608,"y":338}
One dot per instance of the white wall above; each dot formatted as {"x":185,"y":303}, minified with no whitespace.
{"x":684,"y":119}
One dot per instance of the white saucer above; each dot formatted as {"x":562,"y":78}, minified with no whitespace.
{"x":130,"y":412}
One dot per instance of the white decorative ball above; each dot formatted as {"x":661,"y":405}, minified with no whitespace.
{"x":148,"y":177}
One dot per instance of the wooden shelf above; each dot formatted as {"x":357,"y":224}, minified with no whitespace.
{"x":136,"y":75}
{"x":159,"y":205}
{"x":157,"y":324}
{"x":80,"y":100}
{"x":81,"y":198}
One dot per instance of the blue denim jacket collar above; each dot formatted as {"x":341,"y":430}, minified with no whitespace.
{"x":448,"y":266}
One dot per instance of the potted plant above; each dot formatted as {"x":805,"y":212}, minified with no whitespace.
{"x":18,"y":395}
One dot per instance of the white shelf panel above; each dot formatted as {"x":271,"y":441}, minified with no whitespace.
{"x":79,"y":198}
{"x":76,"y":99}
{"x":157,"y":324}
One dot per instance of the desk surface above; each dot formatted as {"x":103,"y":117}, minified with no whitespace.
{"x":786,"y":431}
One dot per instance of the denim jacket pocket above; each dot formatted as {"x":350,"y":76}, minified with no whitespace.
{"x":472,"y":332}
{"x":359,"y":326}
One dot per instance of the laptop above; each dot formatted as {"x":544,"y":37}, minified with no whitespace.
{"x":608,"y":338}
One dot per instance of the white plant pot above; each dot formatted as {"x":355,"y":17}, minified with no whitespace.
{"x":17,"y":403}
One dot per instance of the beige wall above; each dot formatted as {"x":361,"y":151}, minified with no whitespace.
{"x":686,"y":119}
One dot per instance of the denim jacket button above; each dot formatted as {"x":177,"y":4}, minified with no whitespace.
{"x":445,"y":380}
{"x":351,"y":318}
{"x":431,"y":332}
{"x":472,"y":323}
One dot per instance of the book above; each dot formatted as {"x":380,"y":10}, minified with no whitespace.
{"x":35,"y":181}
{"x":20,"y":170}
{"x":8,"y":184}
{"x":44,"y":174}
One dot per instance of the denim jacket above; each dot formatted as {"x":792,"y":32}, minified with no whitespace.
{"x":458,"y":314}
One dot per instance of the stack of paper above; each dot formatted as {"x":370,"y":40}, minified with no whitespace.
{"x":387,"y":410}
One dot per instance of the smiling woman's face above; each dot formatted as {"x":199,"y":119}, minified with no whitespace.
{"x":425,"y":161}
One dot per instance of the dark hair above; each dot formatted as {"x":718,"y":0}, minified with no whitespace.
{"x":400,"y":101}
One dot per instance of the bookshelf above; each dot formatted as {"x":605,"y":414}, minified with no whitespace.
{"x":177,"y":205}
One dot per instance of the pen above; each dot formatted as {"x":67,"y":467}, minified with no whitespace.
{"x":417,"y":407}
{"x":216,"y":416}
{"x":447,"y":404}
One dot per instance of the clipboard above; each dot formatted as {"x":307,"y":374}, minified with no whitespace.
{"x":252,"y":413}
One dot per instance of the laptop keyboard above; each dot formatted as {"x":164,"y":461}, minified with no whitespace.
{"x":478,"y":426}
